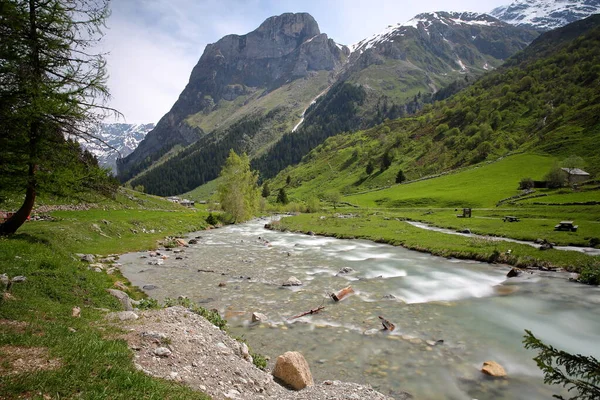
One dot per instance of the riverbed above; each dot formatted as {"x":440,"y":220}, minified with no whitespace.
{"x":450,"y":315}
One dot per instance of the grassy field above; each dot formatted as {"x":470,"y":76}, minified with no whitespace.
{"x":66,"y":357}
{"x":386,"y":227}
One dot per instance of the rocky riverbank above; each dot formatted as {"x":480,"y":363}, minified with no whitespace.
{"x":176,"y":344}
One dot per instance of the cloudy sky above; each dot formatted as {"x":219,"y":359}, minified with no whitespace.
{"x":154,"y":44}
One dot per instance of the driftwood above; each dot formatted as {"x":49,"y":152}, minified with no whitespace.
{"x":309,"y":312}
{"x":342,"y":293}
{"x":387,"y":325}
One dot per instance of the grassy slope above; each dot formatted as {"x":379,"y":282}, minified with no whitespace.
{"x":295,"y":96}
{"x":478,"y":187}
{"x":94,"y":362}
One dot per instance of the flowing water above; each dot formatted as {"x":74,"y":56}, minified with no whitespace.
{"x":471,"y":306}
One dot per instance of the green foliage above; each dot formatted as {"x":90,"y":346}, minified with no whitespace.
{"x":575,"y":372}
{"x":282,"y":197}
{"x":556,"y":177}
{"x":139,"y":188}
{"x":526,"y":183}
{"x":266,"y":192}
{"x":313,"y":204}
{"x":148,"y":304}
{"x":288,"y":180}
{"x":212,"y":316}
{"x":238,"y":192}
{"x":211,"y":219}
{"x":400,"y":176}
{"x":386,"y":161}
{"x":369,"y":168}
{"x":334,"y":197}
{"x":259,"y":361}
{"x":52,"y":87}
{"x":590,"y":274}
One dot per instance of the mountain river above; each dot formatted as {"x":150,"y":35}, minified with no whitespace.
{"x":470,"y":306}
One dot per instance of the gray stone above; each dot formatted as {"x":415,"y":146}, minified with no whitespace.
{"x":292,"y":281}
{"x":18,"y":279}
{"x":162,"y":352}
{"x":123,"y":316}
{"x":154,"y":335}
{"x":258,"y":317}
{"x":90,"y":258}
{"x":123,"y":298}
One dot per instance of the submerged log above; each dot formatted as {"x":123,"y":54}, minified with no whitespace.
{"x":309,"y":312}
{"x":387,"y":325}
{"x":342,"y":293}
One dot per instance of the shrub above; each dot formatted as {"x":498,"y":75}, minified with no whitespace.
{"x":526,"y":183}
{"x":211,"y":219}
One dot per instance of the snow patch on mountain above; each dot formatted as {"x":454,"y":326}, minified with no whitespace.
{"x":115,"y":140}
{"x":423,"y":22}
{"x":546,"y":14}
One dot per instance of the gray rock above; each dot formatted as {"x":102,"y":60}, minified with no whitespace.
{"x":153,"y":335}
{"x":345,"y":270}
{"x":193,"y":241}
{"x":149,"y":287}
{"x":90,"y":258}
{"x":258,"y":317}
{"x":123,"y":316}
{"x":162,"y":352}
{"x":123,"y":298}
{"x":292,"y":281}
{"x":18,"y":279}
{"x":4,"y":279}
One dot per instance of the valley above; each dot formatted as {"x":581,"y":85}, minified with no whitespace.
{"x":400,"y":211}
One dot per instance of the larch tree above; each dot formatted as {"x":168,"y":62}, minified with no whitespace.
{"x":238,"y":193}
{"x":52,"y":89}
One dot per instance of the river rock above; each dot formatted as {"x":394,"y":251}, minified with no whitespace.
{"x":149,"y":287}
{"x":181,"y":242}
{"x":514,"y":272}
{"x":162,"y":352}
{"x":258,"y":317}
{"x":293,"y":370}
{"x":494,"y":369}
{"x":193,"y":241}
{"x":292,"y":281}
{"x":345,"y":270}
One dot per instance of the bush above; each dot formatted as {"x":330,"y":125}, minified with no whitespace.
{"x":526,"y":183}
{"x":555,"y":177}
{"x":211,"y":219}
{"x":590,"y":274}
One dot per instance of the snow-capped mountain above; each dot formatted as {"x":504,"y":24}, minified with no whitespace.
{"x":425,"y":21}
{"x":545,"y":15}
{"x":123,"y":138}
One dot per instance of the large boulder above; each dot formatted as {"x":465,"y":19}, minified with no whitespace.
{"x":494,"y":369}
{"x":123,"y":298}
{"x":292,"y":369}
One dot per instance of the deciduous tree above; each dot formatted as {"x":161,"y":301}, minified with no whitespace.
{"x":238,"y":193}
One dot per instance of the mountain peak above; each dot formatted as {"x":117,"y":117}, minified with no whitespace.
{"x":297,"y":25}
{"x":423,"y":21}
{"x":546,"y":14}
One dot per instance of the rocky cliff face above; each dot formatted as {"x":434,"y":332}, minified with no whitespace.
{"x":283,"y":48}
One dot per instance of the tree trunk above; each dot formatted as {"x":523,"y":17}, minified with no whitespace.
{"x":19,"y":218}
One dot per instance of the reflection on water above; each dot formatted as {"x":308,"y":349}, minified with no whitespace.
{"x":469,"y":306}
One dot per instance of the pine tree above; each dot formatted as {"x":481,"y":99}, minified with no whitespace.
{"x":51,"y":88}
{"x":238,"y":193}
{"x":266,"y":191}
{"x":370,"y":168}
{"x":400,"y":176}
{"x":282,"y":197}
{"x":575,"y":372}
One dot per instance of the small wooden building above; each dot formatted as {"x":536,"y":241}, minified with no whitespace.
{"x":576,"y":175}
